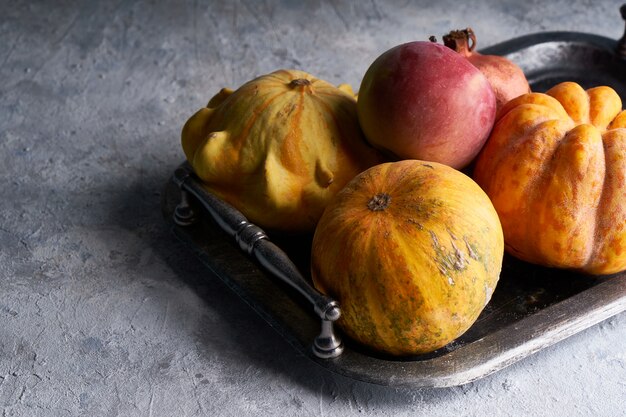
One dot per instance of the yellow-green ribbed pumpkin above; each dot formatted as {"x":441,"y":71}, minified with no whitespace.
{"x":412,"y":251}
{"x":279,"y":147}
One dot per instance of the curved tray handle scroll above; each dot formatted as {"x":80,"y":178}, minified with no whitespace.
{"x":621,"y":43}
{"x":255,"y":243}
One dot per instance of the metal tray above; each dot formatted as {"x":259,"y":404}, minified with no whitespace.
{"x":531,"y":309}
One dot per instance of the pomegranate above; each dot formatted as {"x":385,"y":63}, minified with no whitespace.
{"x":421,"y":100}
{"x":507,"y":79}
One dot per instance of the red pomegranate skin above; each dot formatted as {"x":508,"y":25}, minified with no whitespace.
{"x":507,"y":80}
{"x":422,"y":100}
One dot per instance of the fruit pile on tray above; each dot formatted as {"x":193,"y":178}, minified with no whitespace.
{"x":415,"y":187}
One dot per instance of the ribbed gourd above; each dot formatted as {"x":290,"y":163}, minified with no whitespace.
{"x":279,"y":147}
{"x":555,"y":169}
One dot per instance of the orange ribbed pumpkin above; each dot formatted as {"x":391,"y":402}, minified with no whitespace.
{"x":279,"y":147}
{"x":412,"y":251}
{"x":554,"y":168}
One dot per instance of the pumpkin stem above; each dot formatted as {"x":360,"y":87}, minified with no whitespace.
{"x":379,"y":202}
{"x":461,"y":41}
{"x":299,"y":82}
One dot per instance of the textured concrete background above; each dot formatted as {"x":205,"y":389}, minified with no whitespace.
{"x":103,"y":313}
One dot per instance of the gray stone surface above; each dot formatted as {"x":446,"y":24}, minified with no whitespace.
{"x":103,"y":313}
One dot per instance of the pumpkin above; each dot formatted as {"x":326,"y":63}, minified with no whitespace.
{"x":554,"y":168}
{"x":412,"y":251}
{"x":278,"y":148}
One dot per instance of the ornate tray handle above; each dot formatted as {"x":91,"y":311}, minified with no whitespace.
{"x":621,"y":43}
{"x":254,"y":242}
